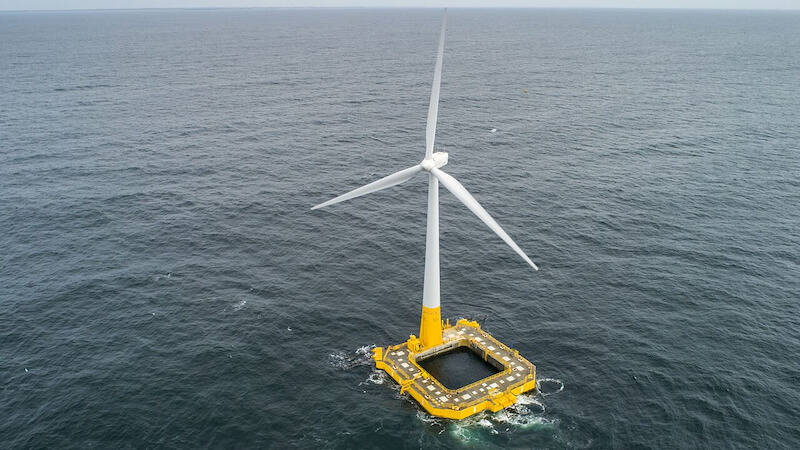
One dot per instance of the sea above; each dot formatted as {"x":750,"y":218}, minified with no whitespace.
{"x":165,"y":285}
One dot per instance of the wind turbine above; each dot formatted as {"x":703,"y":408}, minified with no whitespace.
{"x":430,"y":333}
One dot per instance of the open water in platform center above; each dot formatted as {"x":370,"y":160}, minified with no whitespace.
{"x":458,"y":368}
{"x":163,"y":283}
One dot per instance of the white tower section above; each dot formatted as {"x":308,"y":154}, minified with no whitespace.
{"x":431,"y":290}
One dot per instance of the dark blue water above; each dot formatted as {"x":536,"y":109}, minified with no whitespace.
{"x":163,"y":283}
{"x":458,"y":367}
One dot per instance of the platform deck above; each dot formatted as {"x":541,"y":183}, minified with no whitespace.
{"x":494,"y":393}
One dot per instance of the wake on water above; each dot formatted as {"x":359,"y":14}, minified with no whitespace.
{"x":527,"y":413}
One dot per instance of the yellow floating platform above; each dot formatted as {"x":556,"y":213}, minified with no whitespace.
{"x":493,"y":393}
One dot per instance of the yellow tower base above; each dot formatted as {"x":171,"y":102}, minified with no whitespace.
{"x":492,"y":393}
{"x":430,"y":327}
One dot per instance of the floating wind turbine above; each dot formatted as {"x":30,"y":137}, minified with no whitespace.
{"x":431,"y":324}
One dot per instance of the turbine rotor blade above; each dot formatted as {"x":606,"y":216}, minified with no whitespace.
{"x":467,"y":199}
{"x":433,"y":108}
{"x":385,"y":182}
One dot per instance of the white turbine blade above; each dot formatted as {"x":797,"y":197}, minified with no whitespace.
{"x":466,"y":198}
{"x":383,"y":183}
{"x":433,"y":108}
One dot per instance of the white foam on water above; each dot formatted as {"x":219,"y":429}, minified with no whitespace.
{"x":525,"y":401}
{"x":338,"y":360}
{"x":472,"y":429}
{"x":546,"y":392}
{"x":239,"y":305}
{"x":365,"y":350}
{"x":362,"y":356}
{"x":376,"y":377}
{"x":485,"y":423}
{"x":520,"y":419}
{"x":428,"y":419}
{"x":465,"y":431}
{"x":527,"y":413}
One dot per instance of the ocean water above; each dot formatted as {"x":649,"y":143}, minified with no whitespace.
{"x":163,"y":283}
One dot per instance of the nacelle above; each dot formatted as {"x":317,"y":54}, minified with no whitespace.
{"x":440,"y":158}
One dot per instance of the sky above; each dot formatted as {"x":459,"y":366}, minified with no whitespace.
{"x":12,"y":5}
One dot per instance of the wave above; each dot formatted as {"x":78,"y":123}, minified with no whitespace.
{"x":361,"y":356}
{"x":84,"y":87}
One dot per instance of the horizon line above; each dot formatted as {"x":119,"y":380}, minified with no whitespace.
{"x":189,"y":8}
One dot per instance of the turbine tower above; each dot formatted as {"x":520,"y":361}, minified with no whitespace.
{"x":430,"y":333}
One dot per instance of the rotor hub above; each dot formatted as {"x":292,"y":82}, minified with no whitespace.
{"x":438,"y":159}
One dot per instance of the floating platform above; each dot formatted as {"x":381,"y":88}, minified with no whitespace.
{"x":404,"y":363}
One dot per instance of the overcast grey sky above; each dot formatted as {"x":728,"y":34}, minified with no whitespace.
{"x":114,"y":4}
